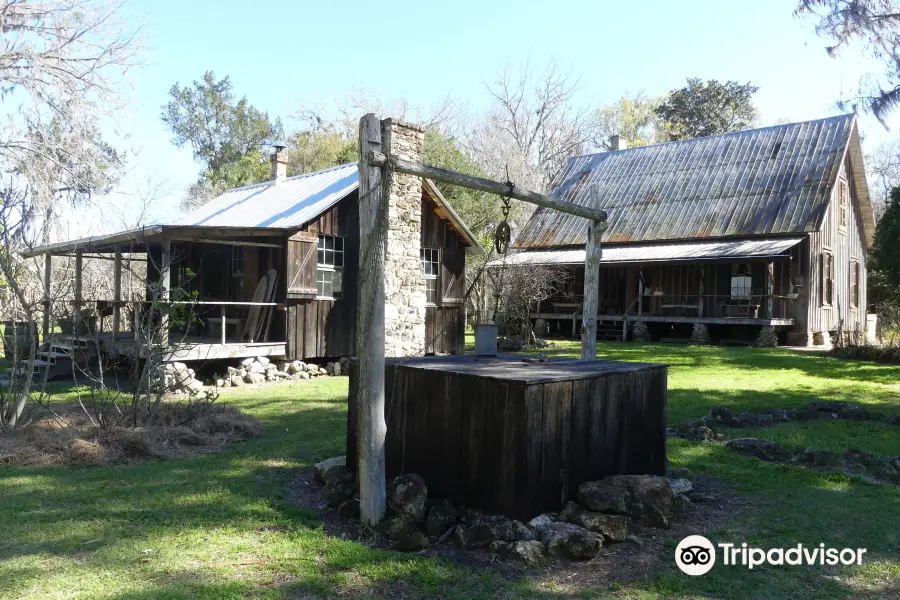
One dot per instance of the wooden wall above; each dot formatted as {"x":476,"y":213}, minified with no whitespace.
{"x":845,"y":246}
{"x":326,"y":328}
{"x":515,"y":448}
{"x":445,"y":324}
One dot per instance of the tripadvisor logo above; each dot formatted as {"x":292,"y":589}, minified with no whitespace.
{"x":696,"y":555}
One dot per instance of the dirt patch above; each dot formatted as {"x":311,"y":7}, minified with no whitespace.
{"x":647,"y":552}
{"x":173,"y":430}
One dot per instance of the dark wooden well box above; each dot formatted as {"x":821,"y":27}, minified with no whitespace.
{"x":515,"y":437}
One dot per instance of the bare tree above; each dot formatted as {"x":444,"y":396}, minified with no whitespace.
{"x":883,"y":166}
{"x":518,"y":288}
{"x":533,"y":126}
{"x":62,"y":66}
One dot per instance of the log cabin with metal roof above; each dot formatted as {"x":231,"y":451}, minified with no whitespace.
{"x":271,"y":270}
{"x":748,"y":237}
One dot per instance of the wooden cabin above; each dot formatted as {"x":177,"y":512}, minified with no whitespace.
{"x":268,"y":270}
{"x":765,"y":228}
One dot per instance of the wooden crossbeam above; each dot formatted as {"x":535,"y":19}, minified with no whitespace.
{"x":485,"y":185}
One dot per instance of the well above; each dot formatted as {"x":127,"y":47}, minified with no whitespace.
{"x":516,"y":437}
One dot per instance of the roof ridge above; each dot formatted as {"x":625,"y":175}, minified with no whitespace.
{"x":720,"y":135}
{"x":291,"y":178}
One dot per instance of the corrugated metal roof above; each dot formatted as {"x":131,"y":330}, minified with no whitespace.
{"x":774,"y":180}
{"x":291,"y":203}
{"x":645,"y":253}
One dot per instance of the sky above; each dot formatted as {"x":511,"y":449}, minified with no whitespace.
{"x":280,"y":53}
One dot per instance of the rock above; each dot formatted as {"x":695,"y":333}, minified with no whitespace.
{"x":247,"y":362}
{"x":680,"y":486}
{"x":461,"y":535}
{"x":767,"y":337}
{"x":294,"y":368}
{"x":641,"y":497}
{"x":406,"y":495}
{"x":613,"y":528}
{"x":255,"y":378}
{"x":540,"y":523}
{"x":764,"y":450}
{"x":468,"y":514}
{"x":336,"y":369}
{"x":256,"y":368}
{"x":700,"y":335}
{"x":890,"y":470}
{"x":523,"y":533}
{"x":329,"y":368}
{"x":677,"y":472}
{"x":284,"y":366}
{"x":640,"y":332}
{"x":349,"y":509}
{"x":393,"y":527}
{"x":441,"y":517}
{"x":301,"y":375}
{"x":311,"y":368}
{"x":571,"y":541}
{"x":263,"y":360}
{"x":494,"y":527}
{"x":723,"y":416}
{"x":818,"y":458}
{"x":330,"y":468}
{"x":530,"y":552}
{"x":681,"y":504}
{"x":322,"y":371}
{"x":236,"y":381}
{"x":700,"y":433}
{"x":411,"y":542}
{"x":220,"y":383}
{"x":862,"y":458}
{"x":280,"y":375}
{"x":341,"y":489}
{"x":479,"y":536}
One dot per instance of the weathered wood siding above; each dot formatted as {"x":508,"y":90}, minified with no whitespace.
{"x":846,"y":245}
{"x":445,"y":323}
{"x":327,"y":328}
{"x":516,"y":448}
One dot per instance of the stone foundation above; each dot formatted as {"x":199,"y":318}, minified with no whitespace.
{"x":800,"y":338}
{"x":404,"y":284}
{"x":700,"y":335}
{"x":821,"y":338}
{"x":640,"y":333}
{"x":767,"y":337}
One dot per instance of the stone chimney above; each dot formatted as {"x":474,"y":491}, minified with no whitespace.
{"x":404,"y":279}
{"x":279,"y":163}
{"x":617,"y":143}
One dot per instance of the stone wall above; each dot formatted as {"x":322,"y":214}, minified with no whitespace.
{"x":404,"y":284}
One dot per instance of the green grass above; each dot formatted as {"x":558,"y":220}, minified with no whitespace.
{"x":191,"y":528}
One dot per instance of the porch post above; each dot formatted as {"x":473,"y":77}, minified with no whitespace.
{"x":640,"y":291}
{"x":223,"y":324}
{"x":770,"y":290}
{"x":117,"y":294}
{"x":165,"y":286}
{"x":702,"y":291}
{"x":48,"y":272}
{"x":79,"y":262}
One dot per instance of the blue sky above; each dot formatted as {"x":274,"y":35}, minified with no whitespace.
{"x":279,"y":53}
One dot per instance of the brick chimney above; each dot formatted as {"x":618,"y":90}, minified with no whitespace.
{"x":279,"y":163}
{"x":617,"y":143}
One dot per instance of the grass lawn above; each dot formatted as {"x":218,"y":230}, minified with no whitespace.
{"x":219,"y":526}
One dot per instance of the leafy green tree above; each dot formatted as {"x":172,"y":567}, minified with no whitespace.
{"x":706,"y":108}
{"x":887,"y":242}
{"x":633,"y":118}
{"x":228,"y":136}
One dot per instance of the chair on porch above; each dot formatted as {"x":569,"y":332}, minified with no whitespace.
{"x":747,"y":308}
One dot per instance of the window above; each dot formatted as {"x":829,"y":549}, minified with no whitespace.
{"x":854,"y":284}
{"x":827,"y":287}
{"x":329,"y":266}
{"x":237,"y":261}
{"x":842,"y":205}
{"x":431,"y":264}
{"x":741,"y":282}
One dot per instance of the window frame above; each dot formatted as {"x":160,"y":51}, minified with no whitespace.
{"x":237,"y":257}
{"x":843,"y":204}
{"x":433,"y":278}
{"x":330,"y":255}
{"x":854,"y":284}
{"x":735,"y":273}
{"x":826,"y":279}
